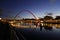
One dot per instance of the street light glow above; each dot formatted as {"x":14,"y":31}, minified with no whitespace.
{"x":0,"y":18}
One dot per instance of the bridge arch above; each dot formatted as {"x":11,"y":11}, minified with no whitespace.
{"x":25,"y":11}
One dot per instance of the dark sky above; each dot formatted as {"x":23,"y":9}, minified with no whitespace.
{"x":9,"y":8}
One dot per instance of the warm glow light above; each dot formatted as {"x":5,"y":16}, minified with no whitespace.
{"x":41,"y":21}
{"x":42,"y":24}
{"x":11,"y":22}
{"x":37,"y":18}
{"x":0,"y":18}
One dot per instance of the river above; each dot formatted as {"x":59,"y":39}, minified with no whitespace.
{"x":37,"y":34}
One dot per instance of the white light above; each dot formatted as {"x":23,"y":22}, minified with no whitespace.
{"x":0,"y":18}
{"x":37,"y":18}
{"x":41,"y":21}
{"x":42,"y":24}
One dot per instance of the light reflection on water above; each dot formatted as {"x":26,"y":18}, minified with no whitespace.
{"x":38,"y":30}
{"x":55,"y":28}
{"x":43,"y":24}
{"x":36,"y":33}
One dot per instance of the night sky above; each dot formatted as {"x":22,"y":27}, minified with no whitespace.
{"x":9,"y":8}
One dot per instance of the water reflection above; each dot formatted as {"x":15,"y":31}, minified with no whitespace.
{"x":44,"y":31}
{"x":46,"y":26}
{"x":49,"y":26}
{"x":36,"y":34}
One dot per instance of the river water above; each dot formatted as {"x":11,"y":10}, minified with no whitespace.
{"x":38,"y":34}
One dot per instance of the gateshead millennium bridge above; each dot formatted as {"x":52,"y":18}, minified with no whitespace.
{"x":29,"y":22}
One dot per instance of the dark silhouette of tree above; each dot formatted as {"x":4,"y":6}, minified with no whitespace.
{"x":48,"y":17}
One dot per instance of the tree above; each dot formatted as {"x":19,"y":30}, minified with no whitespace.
{"x":48,"y":17}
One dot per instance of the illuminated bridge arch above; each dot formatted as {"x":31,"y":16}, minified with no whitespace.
{"x":25,"y":11}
